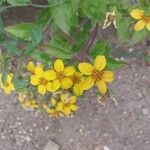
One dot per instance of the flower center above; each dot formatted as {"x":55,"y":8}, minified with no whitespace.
{"x":146,"y":19}
{"x":43,"y":81}
{"x":97,"y":75}
{"x":76,"y":79}
{"x":60,"y":76}
{"x":7,"y":84}
{"x":111,"y":18}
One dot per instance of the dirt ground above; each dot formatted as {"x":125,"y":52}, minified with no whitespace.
{"x":125,"y":126}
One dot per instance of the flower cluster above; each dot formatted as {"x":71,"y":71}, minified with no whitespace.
{"x":62,"y":84}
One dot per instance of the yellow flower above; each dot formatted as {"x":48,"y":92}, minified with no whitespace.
{"x":31,"y":67}
{"x":42,"y":80}
{"x":8,"y":87}
{"x":26,"y":103}
{"x":110,"y":19}
{"x":61,"y":75}
{"x":143,"y":19}
{"x":52,"y":110}
{"x":67,"y":104}
{"x":96,"y":74}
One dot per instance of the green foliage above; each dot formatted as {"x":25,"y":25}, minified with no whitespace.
{"x":95,"y":9}
{"x":101,"y":48}
{"x":70,"y":27}
{"x":18,"y":2}
{"x":113,"y":64}
{"x":65,"y":15}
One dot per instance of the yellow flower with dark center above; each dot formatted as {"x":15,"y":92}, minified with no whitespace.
{"x":96,"y":74}
{"x":42,"y":79}
{"x":61,"y":76}
{"x":52,"y":109}
{"x":143,"y":19}
{"x":78,"y":81}
{"x":67,"y":104}
{"x":8,"y":87}
{"x":26,"y":103}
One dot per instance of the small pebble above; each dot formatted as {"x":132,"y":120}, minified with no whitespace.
{"x":145,"y":111}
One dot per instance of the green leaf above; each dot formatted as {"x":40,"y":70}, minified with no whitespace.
{"x":94,"y":9}
{"x":11,"y":48}
{"x":65,"y":15}
{"x":44,"y":17}
{"x":1,"y":25}
{"x":113,"y":64}
{"x":20,"y":85}
{"x":139,"y":36}
{"x":59,"y":47}
{"x":18,"y":2}
{"x":101,"y":48}
{"x":40,"y":56}
{"x":21,"y":30}
{"x":123,"y":31}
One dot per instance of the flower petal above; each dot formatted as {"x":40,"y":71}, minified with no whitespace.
{"x":68,"y":71}
{"x":108,"y":76}
{"x":85,"y":68}
{"x":50,"y":75}
{"x":66,"y":83}
{"x":139,"y":25}
{"x":34,"y":80}
{"x":9,"y":78}
{"x":59,"y":65}
{"x":31,"y":67}
{"x":137,"y":14}
{"x":102,"y":87}
{"x":88,"y":83}
{"x":78,"y":89}
{"x":42,"y":89}
{"x":148,"y":26}
{"x":55,"y":85}
{"x":39,"y":71}
{"x":59,"y":106}
{"x":100,"y":63}
{"x":53,"y":101}
{"x":66,"y":111}
{"x":63,"y":97}
{"x":73,"y":99}
{"x":74,"y":107}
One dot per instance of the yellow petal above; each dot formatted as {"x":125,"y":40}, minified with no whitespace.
{"x":88,"y":83}
{"x":66,"y":111}
{"x":108,"y":76}
{"x":78,"y":89}
{"x":7,"y":90}
{"x":63,"y":97}
{"x":53,"y":101}
{"x":59,"y":65}
{"x":34,"y":80}
{"x":85,"y":68}
{"x":66,"y":83}
{"x":74,"y":107}
{"x":39,"y":71}
{"x":137,"y":14}
{"x":53,"y":86}
{"x":100,"y":63}
{"x":31,"y":67}
{"x":102,"y":87}
{"x":59,"y":106}
{"x":139,"y":25}
{"x":148,"y":26}
{"x":73,"y":99}
{"x":50,"y":75}
{"x":42,"y":89}
{"x":47,"y":109}
{"x":9,"y":78}
{"x":68,"y":71}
